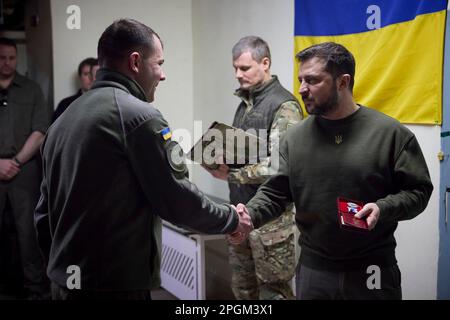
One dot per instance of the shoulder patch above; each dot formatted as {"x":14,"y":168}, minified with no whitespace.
{"x":166,"y":133}
{"x":176,"y":159}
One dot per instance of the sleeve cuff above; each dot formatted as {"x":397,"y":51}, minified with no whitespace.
{"x":233,"y":220}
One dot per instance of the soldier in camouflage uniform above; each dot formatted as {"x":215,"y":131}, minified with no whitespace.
{"x":263,"y":265}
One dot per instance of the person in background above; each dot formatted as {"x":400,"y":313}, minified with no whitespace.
{"x":23,"y":124}
{"x":263,"y":266}
{"x":86,"y":76}
{"x":94,"y":70}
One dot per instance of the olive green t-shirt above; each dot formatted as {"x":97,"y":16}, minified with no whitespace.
{"x":22,"y":112}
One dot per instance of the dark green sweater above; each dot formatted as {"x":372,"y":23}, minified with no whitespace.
{"x":366,"y":156}
{"x":108,"y":179}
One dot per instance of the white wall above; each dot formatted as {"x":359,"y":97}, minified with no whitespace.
{"x":171,"y":19}
{"x":217,"y":26}
{"x":418,"y":239}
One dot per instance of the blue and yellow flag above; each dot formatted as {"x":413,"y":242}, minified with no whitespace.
{"x":166,"y":133}
{"x":398,"y":47}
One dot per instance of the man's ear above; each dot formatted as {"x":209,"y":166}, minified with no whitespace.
{"x":344,"y":82}
{"x":266,"y":63}
{"x":134,"y":62}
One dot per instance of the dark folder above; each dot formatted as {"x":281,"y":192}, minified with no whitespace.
{"x":225,"y":144}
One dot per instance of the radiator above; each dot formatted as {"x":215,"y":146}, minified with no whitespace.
{"x":179,"y":265}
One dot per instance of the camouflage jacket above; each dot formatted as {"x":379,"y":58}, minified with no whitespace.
{"x":288,"y":114}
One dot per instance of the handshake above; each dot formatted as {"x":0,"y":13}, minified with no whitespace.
{"x":244,"y":227}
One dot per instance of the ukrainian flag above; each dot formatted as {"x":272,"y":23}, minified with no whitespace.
{"x":166,"y":133}
{"x":398,"y":47}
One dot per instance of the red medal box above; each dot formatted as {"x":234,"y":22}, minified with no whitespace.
{"x":347,"y":209}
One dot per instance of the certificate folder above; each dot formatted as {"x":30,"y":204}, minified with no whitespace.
{"x":225,"y":144}
{"x":347,"y":209}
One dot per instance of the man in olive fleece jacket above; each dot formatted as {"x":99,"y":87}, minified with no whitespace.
{"x":350,"y":151}
{"x":111,"y":172}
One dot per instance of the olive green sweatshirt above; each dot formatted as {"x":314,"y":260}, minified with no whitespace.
{"x":111,"y":173}
{"x":367,"y":156}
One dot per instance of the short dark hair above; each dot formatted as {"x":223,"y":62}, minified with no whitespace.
{"x":257,"y":47}
{"x":87,"y":62}
{"x":123,"y":37}
{"x":8,"y":42}
{"x":338,"y":60}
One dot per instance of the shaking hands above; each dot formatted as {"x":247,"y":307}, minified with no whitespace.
{"x":244,"y":227}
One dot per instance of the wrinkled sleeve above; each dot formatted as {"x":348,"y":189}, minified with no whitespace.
{"x":274,"y":196}
{"x":40,"y":119}
{"x":41,"y":219}
{"x":413,"y":182}
{"x":162,"y":174}
{"x":288,"y":114}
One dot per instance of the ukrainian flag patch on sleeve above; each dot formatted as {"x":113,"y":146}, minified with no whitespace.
{"x":166,"y":133}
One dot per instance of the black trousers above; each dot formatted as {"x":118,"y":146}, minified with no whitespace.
{"x":23,"y":193}
{"x":62,"y":293}
{"x":312,"y":284}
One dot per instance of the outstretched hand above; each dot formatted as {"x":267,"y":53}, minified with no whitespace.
{"x":244,"y":227}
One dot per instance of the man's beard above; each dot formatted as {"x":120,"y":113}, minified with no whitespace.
{"x":326,"y":107}
{"x":7,"y":72}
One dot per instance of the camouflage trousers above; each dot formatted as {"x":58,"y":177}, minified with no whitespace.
{"x":263,"y":265}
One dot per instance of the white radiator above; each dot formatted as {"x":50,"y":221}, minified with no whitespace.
{"x":194,"y":266}
{"x":179,"y":265}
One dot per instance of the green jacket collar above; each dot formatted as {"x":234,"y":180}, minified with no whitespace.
{"x":108,"y":78}
{"x":249,"y":94}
